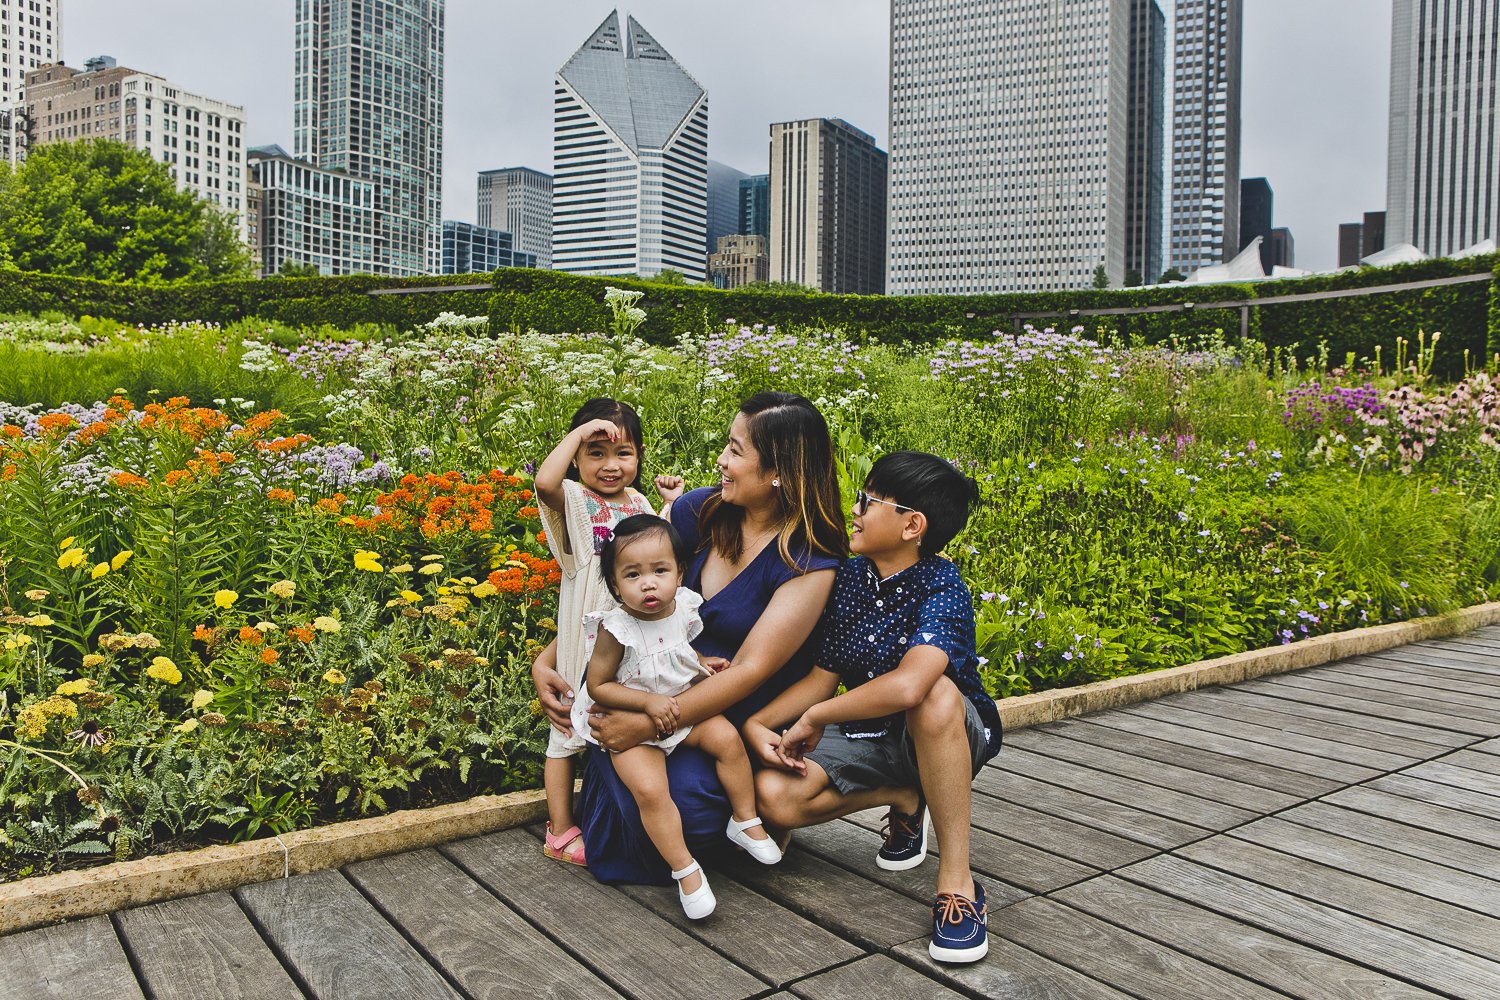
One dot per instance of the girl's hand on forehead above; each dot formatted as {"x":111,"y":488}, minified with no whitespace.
{"x":600,"y":427}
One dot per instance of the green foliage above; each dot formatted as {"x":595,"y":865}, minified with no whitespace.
{"x":100,"y":209}
{"x":1101,"y":277}
{"x":1171,"y":274}
{"x":292,"y":269}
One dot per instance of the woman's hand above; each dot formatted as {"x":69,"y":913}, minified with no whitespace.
{"x":616,"y":730}
{"x":555,"y":693}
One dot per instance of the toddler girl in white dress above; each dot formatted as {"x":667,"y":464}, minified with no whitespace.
{"x":641,"y":660}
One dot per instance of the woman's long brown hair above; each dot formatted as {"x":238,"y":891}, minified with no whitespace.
{"x":791,"y":437}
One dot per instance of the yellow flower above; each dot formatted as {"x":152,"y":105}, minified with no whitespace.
{"x":334,"y":677}
{"x":412,"y":597}
{"x":187,"y":726}
{"x":66,"y":543}
{"x":100,"y":570}
{"x":92,"y":660}
{"x":485,"y":590}
{"x":18,"y":641}
{"x":201,"y":698}
{"x":403,"y":568}
{"x":72,"y":559}
{"x":444,"y":591}
{"x":368,"y":561}
{"x":468,"y":581}
{"x":266,"y":626}
{"x":37,"y":595}
{"x":225,"y":598}
{"x":323,"y":623}
{"x":77,"y":687}
{"x":39,"y":621}
{"x":120,"y":559}
{"x":164,"y":670}
{"x":283,"y":589}
{"x":431,"y":569}
{"x":432,"y":558}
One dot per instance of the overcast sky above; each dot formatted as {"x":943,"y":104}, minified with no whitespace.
{"x":1315,"y":86}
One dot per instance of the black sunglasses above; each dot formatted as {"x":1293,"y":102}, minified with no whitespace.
{"x":862,"y":501}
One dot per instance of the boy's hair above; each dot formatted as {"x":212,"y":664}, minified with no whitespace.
{"x":928,"y":484}
{"x":634,"y":528}
{"x":623,"y":414}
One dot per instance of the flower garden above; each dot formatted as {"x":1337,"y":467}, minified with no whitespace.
{"x":257,"y":577}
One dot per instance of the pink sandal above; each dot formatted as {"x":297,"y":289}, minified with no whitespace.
{"x":557,"y":847}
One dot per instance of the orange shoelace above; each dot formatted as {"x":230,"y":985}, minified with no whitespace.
{"x":897,"y":827}
{"x":951,"y":907}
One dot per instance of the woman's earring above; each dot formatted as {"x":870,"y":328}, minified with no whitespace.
{"x":775,"y":482}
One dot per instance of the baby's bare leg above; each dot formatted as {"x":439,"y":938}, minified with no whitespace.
{"x":644,"y":771}
{"x":721,"y":740}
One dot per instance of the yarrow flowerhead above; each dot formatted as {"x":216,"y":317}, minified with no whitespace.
{"x":225,"y":598}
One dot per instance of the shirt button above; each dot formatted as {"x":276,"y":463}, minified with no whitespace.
{"x":902,"y":639}
{"x":872,"y":638}
{"x":872,"y":674}
{"x":880,"y":604}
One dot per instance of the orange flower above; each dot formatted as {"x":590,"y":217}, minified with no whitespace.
{"x":301,"y":633}
{"x":129,"y":480}
{"x":11,"y":431}
{"x":279,"y":495}
{"x":251,"y":635}
{"x":541,"y":536}
{"x":269,"y":656}
{"x":51,"y":422}
{"x":177,"y":477}
{"x":204,"y":634}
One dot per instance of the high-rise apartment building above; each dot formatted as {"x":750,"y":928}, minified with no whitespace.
{"x":1145,"y":181}
{"x":518,"y":200}
{"x":1358,"y":240}
{"x":199,"y":139}
{"x":471,"y":249}
{"x":723,"y":202}
{"x":1443,"y":175}
{"x":308,"y":215}
{"x":1256,"y":202}
{"x":30,"y":36}
{"x":755,"y":205}
{"x":1011,"y":143}
{"x":1283,"y":248}
{"x":630,"y":158}
{"x":368,"y":102}
{"x":1204,"y":215}
{"x":828,"y":207}
{"x":739,"y":260}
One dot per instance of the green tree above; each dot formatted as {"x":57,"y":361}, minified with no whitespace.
{"x":1101,"y":277}
{"x":100,"y":209}
{"x":218,"y":248}
{"x":1172,"y":274}
{"x":1133,"y":279}
{"x":668,"y":276}
{"x":296,"y":269}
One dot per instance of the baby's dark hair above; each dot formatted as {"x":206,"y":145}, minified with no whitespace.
{"x":623,"y":414}
{"x":634,"y":528}
{"x":929,"y":484}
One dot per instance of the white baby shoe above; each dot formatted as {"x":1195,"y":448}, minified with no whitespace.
{"x":700,"y":902}
{"x":764,"y":851}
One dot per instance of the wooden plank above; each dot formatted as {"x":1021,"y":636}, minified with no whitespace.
{"x":1465,"y":855}
{"x":1475,"y":660}
{"x":1417,"y":875}
{"x":590,"y":922}
{"x":1397,"y":953}
{"x":1407,"y":703}
{"x":1367,"y":730}
{"x":1183,"y":757}
{"x":1269,"y":959}
{"x":1117,"y":956}
{"x":482,"y":945}
{"x":1440,"y":793}
{"x":1272,"y":733}
{"x":1215,"y":787}
{"x":870,"y":915}
{"x":1488,"y":746}
{"x":998,"y":858}
{"x":1053,"y":834}
{"x":338,"y":943}
{"x":1438,"y":665}
{"x":875,"y":977}
{"x":1300,"y":773}
{"x":1284,"y":716}
{"x":1010,"y":972}
{"x":1468,"y":779}
{"x":1430,"y":687}
{"x":1481,"y":651}
{"x":1408,"y":911}
{"x":1090,"y":810}
{"x":1475,"y":760}
{"x":1409,"y":808}
{"x":66,"y":961}
{"x":202,"y":947}
{"x":1333,"y":696}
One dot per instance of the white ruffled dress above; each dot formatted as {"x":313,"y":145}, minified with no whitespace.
{"x":658,"y":658}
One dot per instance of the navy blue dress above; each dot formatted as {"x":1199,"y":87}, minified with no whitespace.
{"x":617,"y":846}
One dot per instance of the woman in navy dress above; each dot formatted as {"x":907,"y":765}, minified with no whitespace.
{"x":766,"y":542}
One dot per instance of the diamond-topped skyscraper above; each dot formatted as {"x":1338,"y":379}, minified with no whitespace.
{"x":630,"y":158}
{"x":368,"y":102}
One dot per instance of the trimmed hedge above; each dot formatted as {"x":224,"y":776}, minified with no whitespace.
{"x":1468,"y":315}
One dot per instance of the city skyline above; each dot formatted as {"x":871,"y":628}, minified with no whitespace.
{"x":1325,"y":155}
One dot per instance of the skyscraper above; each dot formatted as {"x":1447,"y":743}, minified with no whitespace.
{"x":1205,"y":204}
{"x":1443,"y":177}
{"x":723,"y":202}
{"x":518,"y":200}
{"x":630,"y":158}
{"x":30,"y":36}
{"x":1145,"y":182}
{"x":1256,"y":202}
{"x":1011,"y":142}
{"x":828,"y":207}
{"x":368,"y":101}
{"x":755,"y":205}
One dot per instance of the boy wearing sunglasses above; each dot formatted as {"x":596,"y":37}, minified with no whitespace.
{"x":914,"y":724}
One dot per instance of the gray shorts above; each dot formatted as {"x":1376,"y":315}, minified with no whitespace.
{"x":856,"y":765}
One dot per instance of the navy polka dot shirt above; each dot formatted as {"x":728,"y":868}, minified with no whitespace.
{"x":870,"y":624}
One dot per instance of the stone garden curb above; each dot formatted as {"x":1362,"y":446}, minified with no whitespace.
{"x":33,"y":902}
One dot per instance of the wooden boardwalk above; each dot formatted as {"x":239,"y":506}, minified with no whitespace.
{"x":1333,"y":833}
